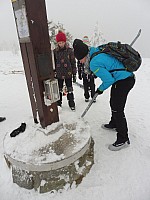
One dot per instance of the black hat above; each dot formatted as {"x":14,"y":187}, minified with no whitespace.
{"x":80,"y":49}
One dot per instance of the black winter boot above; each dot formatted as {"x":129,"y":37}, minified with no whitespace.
{"x":59,"y":103}
{"x":121,"y":142}
{"x":108,"y":127}
{"x":118,"y":145}
{"x":70,"y":98}
{"x":71,"y":104}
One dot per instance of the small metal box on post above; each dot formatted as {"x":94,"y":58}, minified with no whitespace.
{"x":32,"y":28}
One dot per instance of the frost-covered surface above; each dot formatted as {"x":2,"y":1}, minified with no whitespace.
{"x":123,"y":175}
{"x":35,"y":147}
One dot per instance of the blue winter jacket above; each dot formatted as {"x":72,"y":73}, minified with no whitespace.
{"x":100,"y":66}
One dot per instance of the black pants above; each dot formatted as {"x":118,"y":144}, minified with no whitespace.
{"x":118,"y":97}
{"x":88,"y":83}
{"x":68,"y":82}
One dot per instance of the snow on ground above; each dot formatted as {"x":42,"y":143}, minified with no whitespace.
{"x":122,"y":175}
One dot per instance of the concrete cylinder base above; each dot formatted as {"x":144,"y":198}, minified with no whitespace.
{"x":63,"y":157}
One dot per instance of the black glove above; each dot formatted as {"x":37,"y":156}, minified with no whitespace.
{"x":74,"y":78}
{"x":95,"y":76}
{"x":98,"y":92}
{"x":21,"y":129}
{"x":80,"y":77}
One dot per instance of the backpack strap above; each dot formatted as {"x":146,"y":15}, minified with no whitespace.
{"x":95,"y":54}
{"x":103,"y":51}
{"x":113,"y":70}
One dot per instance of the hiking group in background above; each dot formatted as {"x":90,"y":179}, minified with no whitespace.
{"x":87,"y":76}
{"x":121,"y":82}
{"x":65,"y":71}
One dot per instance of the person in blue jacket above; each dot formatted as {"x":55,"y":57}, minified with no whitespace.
{"x":121,"y":83}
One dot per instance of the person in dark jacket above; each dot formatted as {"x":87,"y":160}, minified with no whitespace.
{"x":65,"y":68}
{"x":121,"y":83}
{"x":88,"y":77}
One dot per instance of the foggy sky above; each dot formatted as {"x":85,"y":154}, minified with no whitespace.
{"x":117,"y":19}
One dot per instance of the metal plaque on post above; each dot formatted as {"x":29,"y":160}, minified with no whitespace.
{"x":21,"y":20}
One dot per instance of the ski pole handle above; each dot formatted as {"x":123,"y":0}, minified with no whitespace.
{"x":89,"y":105}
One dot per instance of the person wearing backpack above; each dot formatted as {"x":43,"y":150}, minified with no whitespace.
{"x":85,"y":74}
{"x":65,"y":68}
{"x":121,"y":83}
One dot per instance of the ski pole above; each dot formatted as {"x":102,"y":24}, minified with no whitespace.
{"x":79,"y":84}
{"x":89,"y":105}
{"x":139,"y":33}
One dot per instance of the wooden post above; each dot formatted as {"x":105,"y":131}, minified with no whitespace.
{"x":32,"y":27}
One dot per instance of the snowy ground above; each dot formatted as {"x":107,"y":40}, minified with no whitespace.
{"x":123,"y":175}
